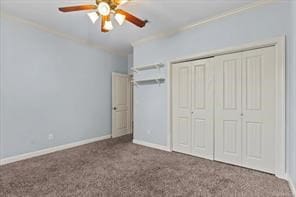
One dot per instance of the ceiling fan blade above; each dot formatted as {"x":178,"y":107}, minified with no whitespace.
{"x":132,"y":19}
{"x":103,"y":20}
{"x":78,"y":8}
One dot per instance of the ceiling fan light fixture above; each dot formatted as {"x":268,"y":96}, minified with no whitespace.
{"x":119,"y":18}
{"x":93,"y":16}
{"x":108,"y":25}
{"x":104,"y":8}
{"x":123,"y":2}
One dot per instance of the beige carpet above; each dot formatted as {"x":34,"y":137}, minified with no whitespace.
{"x":119,"y":168}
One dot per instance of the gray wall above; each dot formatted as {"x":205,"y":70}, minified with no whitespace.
{"x":52,"y":85}
{"x":253,"y":25}
{"x":130,"y":62}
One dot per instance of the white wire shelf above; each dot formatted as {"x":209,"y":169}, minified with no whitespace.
{"x":148,"y":81}
{"x":147,"y":67}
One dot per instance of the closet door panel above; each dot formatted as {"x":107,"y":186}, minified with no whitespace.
{"x":228,"y":133}
{"x":258,"y":97}
{"x":202,"y":108}
{"x":182,"y":107}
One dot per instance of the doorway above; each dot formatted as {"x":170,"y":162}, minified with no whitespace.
{"x":121,"y":105}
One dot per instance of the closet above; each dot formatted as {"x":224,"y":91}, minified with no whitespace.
{"x":224,"y":108}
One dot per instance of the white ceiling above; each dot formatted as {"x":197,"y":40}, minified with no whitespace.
{"x":163,"y":15}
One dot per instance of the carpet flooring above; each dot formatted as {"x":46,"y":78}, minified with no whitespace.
{"x":116,"y":167}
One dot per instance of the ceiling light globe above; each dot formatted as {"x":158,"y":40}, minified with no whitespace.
{"x":93,"y":16}
{"x":120,"y":2}
{"x":120,"y":18}
{"x":108,"y":25}
{"x":123,"y":2}
{"x":104,"y":9}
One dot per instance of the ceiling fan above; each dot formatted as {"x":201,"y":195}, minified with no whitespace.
{"x":105,"y":9}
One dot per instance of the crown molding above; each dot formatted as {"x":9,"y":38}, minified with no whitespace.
{"x":197,"y":24}
{"x":60,"y":34}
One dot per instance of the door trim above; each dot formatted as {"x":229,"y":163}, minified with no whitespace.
{"x":280,"y":136}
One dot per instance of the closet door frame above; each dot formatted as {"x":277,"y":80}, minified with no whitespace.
{"x":280,"y":128}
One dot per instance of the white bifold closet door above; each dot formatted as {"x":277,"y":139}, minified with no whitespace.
{"x":245,"y":109}
{"x":193,"y":108}
{"x":228,"y":108}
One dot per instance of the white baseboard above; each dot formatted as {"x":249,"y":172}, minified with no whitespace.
{"x":292,"y":185}
{"x":50,"y":150}
{"x":150,"y":145}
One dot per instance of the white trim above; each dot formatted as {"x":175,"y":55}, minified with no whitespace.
{"x":51,"y":150}
{"x":151,"y":145}
{"x":1,"y":103}
{"x":164,"y":34}
{"x":280,"y":124}
{"x":280,"y":138}
{"x":169,"y":107}
{"x":60,"y":34}
{"x":275,"y":41}
{"x":291,"y":185}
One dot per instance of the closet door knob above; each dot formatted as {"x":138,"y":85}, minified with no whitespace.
{"x":114,"y":108}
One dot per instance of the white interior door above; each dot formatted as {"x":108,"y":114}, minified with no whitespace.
{"x":228,"y":108}
{"x":258,"y":96}
{"x":193,"y":108}
{"x":182,"y":107}
{"x":202,"y":108}
{"x":121,"y":124}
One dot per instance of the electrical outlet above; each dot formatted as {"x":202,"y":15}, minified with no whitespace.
{"x":50,"y":136}
{"x":33,"y":142}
